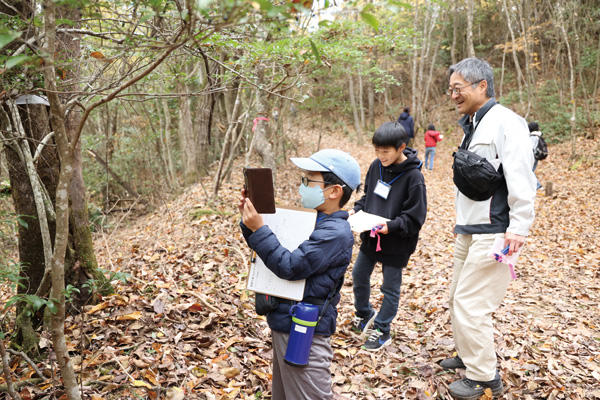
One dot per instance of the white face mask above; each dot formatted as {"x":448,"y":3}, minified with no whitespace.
{"x":312,"y":197}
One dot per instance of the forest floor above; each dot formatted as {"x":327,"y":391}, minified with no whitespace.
{"x":184,"y":327}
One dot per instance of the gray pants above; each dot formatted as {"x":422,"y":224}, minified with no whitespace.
{"x":312,"y":382}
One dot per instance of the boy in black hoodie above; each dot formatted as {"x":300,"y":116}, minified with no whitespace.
{"x":394,"y":189}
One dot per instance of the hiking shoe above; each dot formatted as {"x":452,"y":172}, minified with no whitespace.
{"x":468,"y":389}
{"x":452,"y":363}
{"x":362,"y":325}
{"x":377,"y":340}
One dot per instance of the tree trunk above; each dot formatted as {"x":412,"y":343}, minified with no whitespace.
{"x":35,"y":240}
{"x":361,"y":102}
{"x":415,"y":56}
{"x":561,"y":25}
{"x":357,"y":126}
{"x":503,"y":62}
{"x":186,"y":136}
{"x":470,"y":48}
{"x":35,"y":124}
{"x":371,"y":102}
{"x":259,"y":143}
{"x":80,"y":261}
{"x":527,"y":50}
{"x":455,"y":14}
{"x":514,"y":53}
{"x":66,"y":155}
{"x":228,"y":135}
{"x":166,"y":137}
{"x":203,"y":121}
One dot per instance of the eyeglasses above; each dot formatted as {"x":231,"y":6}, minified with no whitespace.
{"x":456,"y":89}
{"x":306,"y":181}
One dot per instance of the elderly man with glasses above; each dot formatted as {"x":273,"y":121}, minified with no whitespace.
{"x":479,"y":283}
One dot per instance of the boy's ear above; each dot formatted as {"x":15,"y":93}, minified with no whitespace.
{"x":402,"y":147}
{"x":336,"y":193}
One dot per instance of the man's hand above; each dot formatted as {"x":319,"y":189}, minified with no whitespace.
{"x":250,"y":217}
{"x":351,"y":212}
{"x":515,"y":241}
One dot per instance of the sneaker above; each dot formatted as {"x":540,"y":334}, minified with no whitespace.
{"x":468,"y":389}
{"x":377,"y":340}
{"x":362,"y":325}
{"x":452,"y":363}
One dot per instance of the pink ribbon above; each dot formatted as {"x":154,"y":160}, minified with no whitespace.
{"x":374,"y":232}
{"x":256,"y":122}
{"x":513,"y":274}
{"x":501,"y":258}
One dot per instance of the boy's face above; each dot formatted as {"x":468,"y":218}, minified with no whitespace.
{"x":390,"y":155}
{"x":315,"y":179}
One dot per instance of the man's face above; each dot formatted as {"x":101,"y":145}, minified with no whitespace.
{"x":471,"y":97}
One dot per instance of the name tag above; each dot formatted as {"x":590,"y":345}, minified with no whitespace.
{"x":382,"y":189}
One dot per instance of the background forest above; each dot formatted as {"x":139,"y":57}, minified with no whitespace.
{"x":116,"y":112}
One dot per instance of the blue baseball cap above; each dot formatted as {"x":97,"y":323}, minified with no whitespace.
{"x":338,"y":162}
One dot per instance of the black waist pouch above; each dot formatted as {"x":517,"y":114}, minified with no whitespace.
{"x":265,"y":303}
{"x":475,"y":176}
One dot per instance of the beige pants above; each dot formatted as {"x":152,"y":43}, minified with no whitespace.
{"x":477,"y":290}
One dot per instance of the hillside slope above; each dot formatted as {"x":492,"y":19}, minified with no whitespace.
{"x":185,"y":323}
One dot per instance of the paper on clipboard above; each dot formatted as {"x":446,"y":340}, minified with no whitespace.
{"x":363,"y":221}
{"x":292,"y":226}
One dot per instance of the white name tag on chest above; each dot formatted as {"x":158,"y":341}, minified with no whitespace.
{"x":382,"y":189}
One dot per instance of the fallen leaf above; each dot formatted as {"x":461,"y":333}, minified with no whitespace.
{"x":139,"y":383}
{"x":99,"y":307}
{"x":175,"y":393}
{"x":130,"y":317}
{"x":230,"y":372}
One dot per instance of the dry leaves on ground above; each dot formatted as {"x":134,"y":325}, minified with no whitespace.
{"x":184,"y":327}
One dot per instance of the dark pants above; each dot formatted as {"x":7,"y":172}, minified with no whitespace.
{"x":392,"y":279}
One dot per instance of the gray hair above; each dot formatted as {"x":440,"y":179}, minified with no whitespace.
{"x":473,"y":70}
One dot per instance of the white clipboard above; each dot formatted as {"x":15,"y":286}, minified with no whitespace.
{"x":292,"y":226}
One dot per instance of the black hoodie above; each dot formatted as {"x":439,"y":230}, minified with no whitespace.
{"x":407,"y":123}
{"x":406,"y":207}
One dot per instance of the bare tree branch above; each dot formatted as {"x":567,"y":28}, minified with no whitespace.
{"x":31,"y":363}
{"x":124,"y":86}
{"x":7,"y":374}
{"x":103,"y":35}
{"x":250,"y":82}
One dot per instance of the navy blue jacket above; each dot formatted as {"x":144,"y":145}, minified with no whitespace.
{"x":407,"y":123}
{"x":406,"y":207}
{"x":322,"y":260}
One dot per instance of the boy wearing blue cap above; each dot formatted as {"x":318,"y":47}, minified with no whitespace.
{"x":395,"y":190}
{"x":329,"y":178}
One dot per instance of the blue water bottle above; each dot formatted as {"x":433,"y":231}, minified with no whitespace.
{"x":304,"y":320}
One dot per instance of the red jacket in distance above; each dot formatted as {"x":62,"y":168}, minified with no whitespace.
{"x":432,"y":137}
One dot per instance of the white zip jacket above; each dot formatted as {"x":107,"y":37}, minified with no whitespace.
{"x":502,"y":137}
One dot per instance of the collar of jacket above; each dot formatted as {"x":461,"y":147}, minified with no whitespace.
{"x":338,"y":214}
